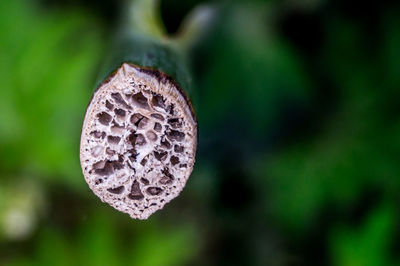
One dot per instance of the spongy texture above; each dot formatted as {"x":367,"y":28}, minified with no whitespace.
{"x":138,"y":141}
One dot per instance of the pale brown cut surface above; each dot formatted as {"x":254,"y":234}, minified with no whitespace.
{"x":138,"y":141}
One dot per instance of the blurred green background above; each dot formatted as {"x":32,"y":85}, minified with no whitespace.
{"x":299,"y":146}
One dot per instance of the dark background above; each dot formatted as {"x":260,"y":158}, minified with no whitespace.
{"x":299,"y":145}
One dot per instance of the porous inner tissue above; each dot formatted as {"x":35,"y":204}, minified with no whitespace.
{"x":138,"y":144}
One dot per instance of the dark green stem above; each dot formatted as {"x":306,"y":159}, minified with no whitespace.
{"x":141,"y":41}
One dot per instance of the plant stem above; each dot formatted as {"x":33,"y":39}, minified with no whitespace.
{"x":141,"y":40}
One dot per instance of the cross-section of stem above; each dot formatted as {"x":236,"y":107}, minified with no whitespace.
{"x":139,"y":135}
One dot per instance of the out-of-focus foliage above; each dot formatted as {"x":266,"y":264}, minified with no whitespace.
{"x":367,"y":245}
{"x":45,"y":60}
{"x":355,"y":148}
{"x":298,"y":147}
{"x":255,"y":73}
{"x":21,"y":205}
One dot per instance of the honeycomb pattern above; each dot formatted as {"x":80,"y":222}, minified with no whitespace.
{"x":138,"y":142}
